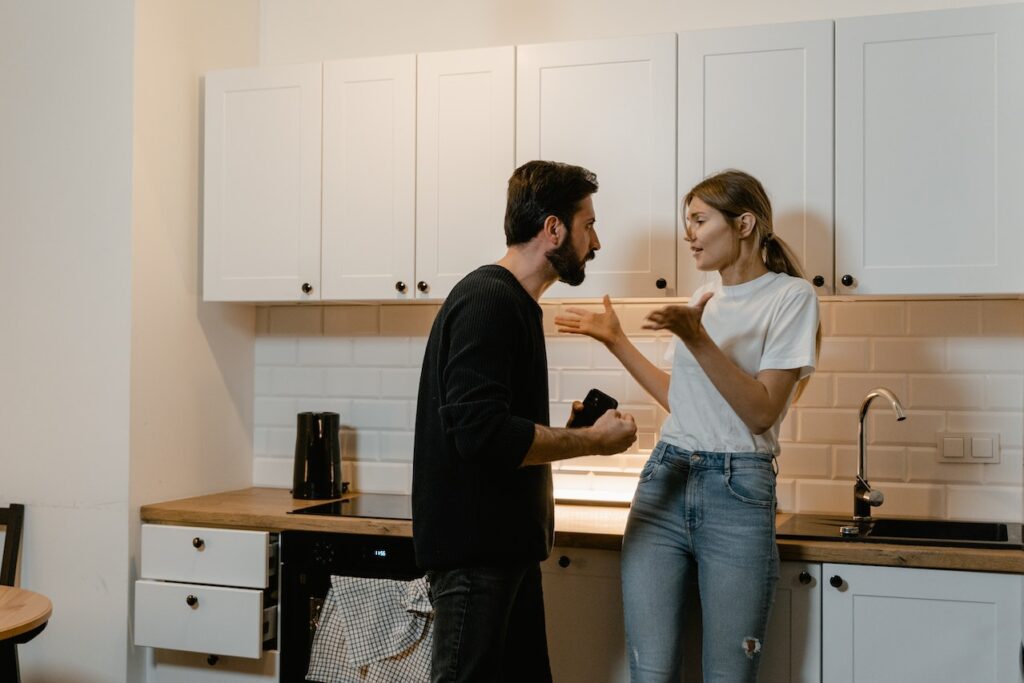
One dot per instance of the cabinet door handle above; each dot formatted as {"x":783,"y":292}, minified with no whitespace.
{"x":806,"y":578}
{"x":192,"y":601}
{"x":306,"y":288}
{"x":847,"y":280}
{"x":422,"y":286}
{"x":564,"y":561}
{"x":400,"y":287}
{"x":198,"y":543}
{"x":818,"y":281}
{"x":836,"y":581}
{"x":661,"y":283}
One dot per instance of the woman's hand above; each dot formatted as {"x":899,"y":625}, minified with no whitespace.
{"x":682,"y":321}
{"x":604,"y":327}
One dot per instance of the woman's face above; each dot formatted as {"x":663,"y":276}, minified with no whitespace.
{"x":714,"y":242}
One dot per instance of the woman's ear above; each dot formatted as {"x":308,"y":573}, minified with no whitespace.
{"x":746,"y":224}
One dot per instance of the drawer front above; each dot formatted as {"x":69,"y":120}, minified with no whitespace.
{"x":226,"y":557}
{"x":189,"y":667}
{"x":207,"y":619}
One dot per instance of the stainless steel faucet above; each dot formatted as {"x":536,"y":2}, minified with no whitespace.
{"x":864,"y":497}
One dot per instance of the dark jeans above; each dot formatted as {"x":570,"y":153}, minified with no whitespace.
{"x":489,"y":625}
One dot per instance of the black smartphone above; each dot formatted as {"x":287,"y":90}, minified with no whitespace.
{"x":596,"y":404}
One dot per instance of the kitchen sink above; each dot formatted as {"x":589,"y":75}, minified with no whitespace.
{"x":936,"y":532}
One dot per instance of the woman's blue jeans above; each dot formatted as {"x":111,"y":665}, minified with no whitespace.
{"x":710,"y":517}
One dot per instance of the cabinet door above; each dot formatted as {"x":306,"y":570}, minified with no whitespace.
{"x":930,"y":152}
{"x":583,"y":614}
{"x":896,"y":624}
{"x":792,"y":650}
{"x":759,"y":99}
{"x":261,"y":191}
{"x":369,"y":178}
{"x":465,"y":145}
{"x":609,"y":105}
{"x":170,"y":666}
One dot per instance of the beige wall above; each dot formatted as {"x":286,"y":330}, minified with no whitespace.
{"x":191,"y":362}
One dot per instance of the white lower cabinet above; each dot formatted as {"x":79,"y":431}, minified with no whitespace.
{"x":583,"y":608}
{"x":910,"y":625}
{"x":189,"y":667}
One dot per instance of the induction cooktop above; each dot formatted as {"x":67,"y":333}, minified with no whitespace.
{"x":373,"y":505}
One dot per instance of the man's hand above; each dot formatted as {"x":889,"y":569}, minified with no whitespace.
{"x":613,"y":432}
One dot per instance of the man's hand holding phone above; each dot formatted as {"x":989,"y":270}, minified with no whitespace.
{"x":612,"y":430}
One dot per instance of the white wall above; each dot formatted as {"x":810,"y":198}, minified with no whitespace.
{"x":313,"y":30}
{"x":191,"y":364}
{"x":65,"y":245}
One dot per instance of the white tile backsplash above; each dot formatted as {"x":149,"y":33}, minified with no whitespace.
{"x":956,"y":366}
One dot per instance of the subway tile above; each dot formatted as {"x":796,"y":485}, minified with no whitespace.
{"x":980,"y":355}
{"x":787,"y":430}
{"x":924,"y":467}
{"x":827,"y":426}
{"x":944,"y":318}
{"x":272,"y":472}
{"x":380,"y":414}
{"x":553,"y":385}
{"x":602,"y":358}
{"x":1004,"y":392}
{"x":259,"y":441}
{"x":1002,"y":318}
{"x":575,"y":384}
{"x":360,"y":444}
{"x":851,"y":389}
{"x":882,"y":463}
{"x":399,"y":382}
{"x":381,"y":477}
{"x":947,"y":391}
{"x":666,"y":351}
{"x":646,"y":441}
{"x":1008,"y":425}
{"x":804,"y":460}
{"x":635,"y":393}
{"x":262,"y":321}
{"x":298,"y":321}
{"x":324,"y":351}
{"x":912,"y":500}
{"x":559,"y":413}
{"x":1006,"y":471}
{"x":839,"y":354}
{"x":985,"y":503}
{"x":919,"y":429}
{"x":569,"y":352}
{"x":817,"y":393}
{"x":407,"y":320}
{"x":261,"y":382}
{"x":342,"y":321}
{"x":280,"y":442}
{"x":572,"y":481}
{"x":633,"y":317}
{"x":644,"y":415}
{"x":274,"y":412}
{"x":381,"y":351}
{"x":296,"y":381}
{"x":825,"y":317}
{"x":868,"y":318}
{"x":785,"y":494}
{"x":908,"y":355}
{"x":549,"y":312}
{"x":353,"y":382}
{"x":306,"y":404}
{"x":822,"y":496}
{"x":396,"y":446}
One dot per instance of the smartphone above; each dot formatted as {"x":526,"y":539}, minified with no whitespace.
{"x":596,"y":404}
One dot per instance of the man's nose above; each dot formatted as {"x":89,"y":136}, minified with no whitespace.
{"x":595,"y":243}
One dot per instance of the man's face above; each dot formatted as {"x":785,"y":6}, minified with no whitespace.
{"x":570,"y":257}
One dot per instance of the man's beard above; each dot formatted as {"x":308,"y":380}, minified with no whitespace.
{"x":570,"y":269}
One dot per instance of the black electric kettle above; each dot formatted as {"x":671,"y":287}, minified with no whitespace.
{"x":317,"y":457}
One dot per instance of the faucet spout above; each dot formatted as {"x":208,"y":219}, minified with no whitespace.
{"x":864,"y":498}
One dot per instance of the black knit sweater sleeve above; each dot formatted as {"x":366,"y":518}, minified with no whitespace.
{"x":477,"y":379}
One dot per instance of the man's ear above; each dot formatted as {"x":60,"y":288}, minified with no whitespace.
{"x":746,"y":224}
{"x":551,"y":231}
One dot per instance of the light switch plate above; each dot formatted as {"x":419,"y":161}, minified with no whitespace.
{"x":967,"y":447}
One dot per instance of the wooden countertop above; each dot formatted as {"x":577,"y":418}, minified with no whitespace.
{"x":21,"y":611}
{"x":581,"y":526}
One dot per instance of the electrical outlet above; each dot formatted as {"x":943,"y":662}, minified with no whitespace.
{"x":964,"y":447}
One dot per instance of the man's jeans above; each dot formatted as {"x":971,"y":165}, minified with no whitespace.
{"x":713,"y":515}
{"x":489,"y":625}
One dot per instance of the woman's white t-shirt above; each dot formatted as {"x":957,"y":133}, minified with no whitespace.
{"x":768,"y":323}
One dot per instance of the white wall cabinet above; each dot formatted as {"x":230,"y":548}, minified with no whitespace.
{"x":609,"y":105}
{"x":261,"y":203}
{"x":897,"y":624}
{"x":930,"y":152}
{"x":759,"y":99}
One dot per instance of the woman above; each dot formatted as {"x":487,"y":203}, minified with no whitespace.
{"x":705,"y":504}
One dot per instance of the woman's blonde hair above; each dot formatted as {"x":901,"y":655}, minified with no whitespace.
{"x":735,"y":193}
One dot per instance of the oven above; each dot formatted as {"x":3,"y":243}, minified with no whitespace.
{"x":310,"y":558}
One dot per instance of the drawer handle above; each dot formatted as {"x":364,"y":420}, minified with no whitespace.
{"x":198,"y":543}
{"x":212,"y":660}
{"x":564,"y":561}
{"x":192,"y":601}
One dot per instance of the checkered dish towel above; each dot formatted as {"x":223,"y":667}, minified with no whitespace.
{"x":373,"y":631}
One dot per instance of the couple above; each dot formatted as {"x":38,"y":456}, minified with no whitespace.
{"x":705,"y":504}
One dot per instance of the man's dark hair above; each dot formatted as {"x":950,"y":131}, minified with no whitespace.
{"x":539,"y":189}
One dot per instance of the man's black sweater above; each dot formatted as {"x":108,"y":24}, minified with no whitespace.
{"x":483,"y":387}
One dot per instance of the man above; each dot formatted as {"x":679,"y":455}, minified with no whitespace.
{"x":482,"y":498}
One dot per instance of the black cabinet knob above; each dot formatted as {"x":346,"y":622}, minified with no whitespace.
{"x":198,"y":543}
{"x":818,"y":281}
{"x":422,"y":286}
{"x":661,"y":283}
{"x":847,"y":280}
{"x":306,"y":288}
{"x":192,"y":601}
{"x":212,"y":660}
{"x":806,"y":578}
{"x":564,"y":561}
{"x":836,"y":581}
{"x":400,"y":287}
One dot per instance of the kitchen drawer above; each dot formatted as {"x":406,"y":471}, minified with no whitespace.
{"x":190,"y":667}
{"x":226,"y":557}
{"x":220,"y":621}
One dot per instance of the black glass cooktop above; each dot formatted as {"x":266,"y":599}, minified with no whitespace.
{"x":376,"y":505}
